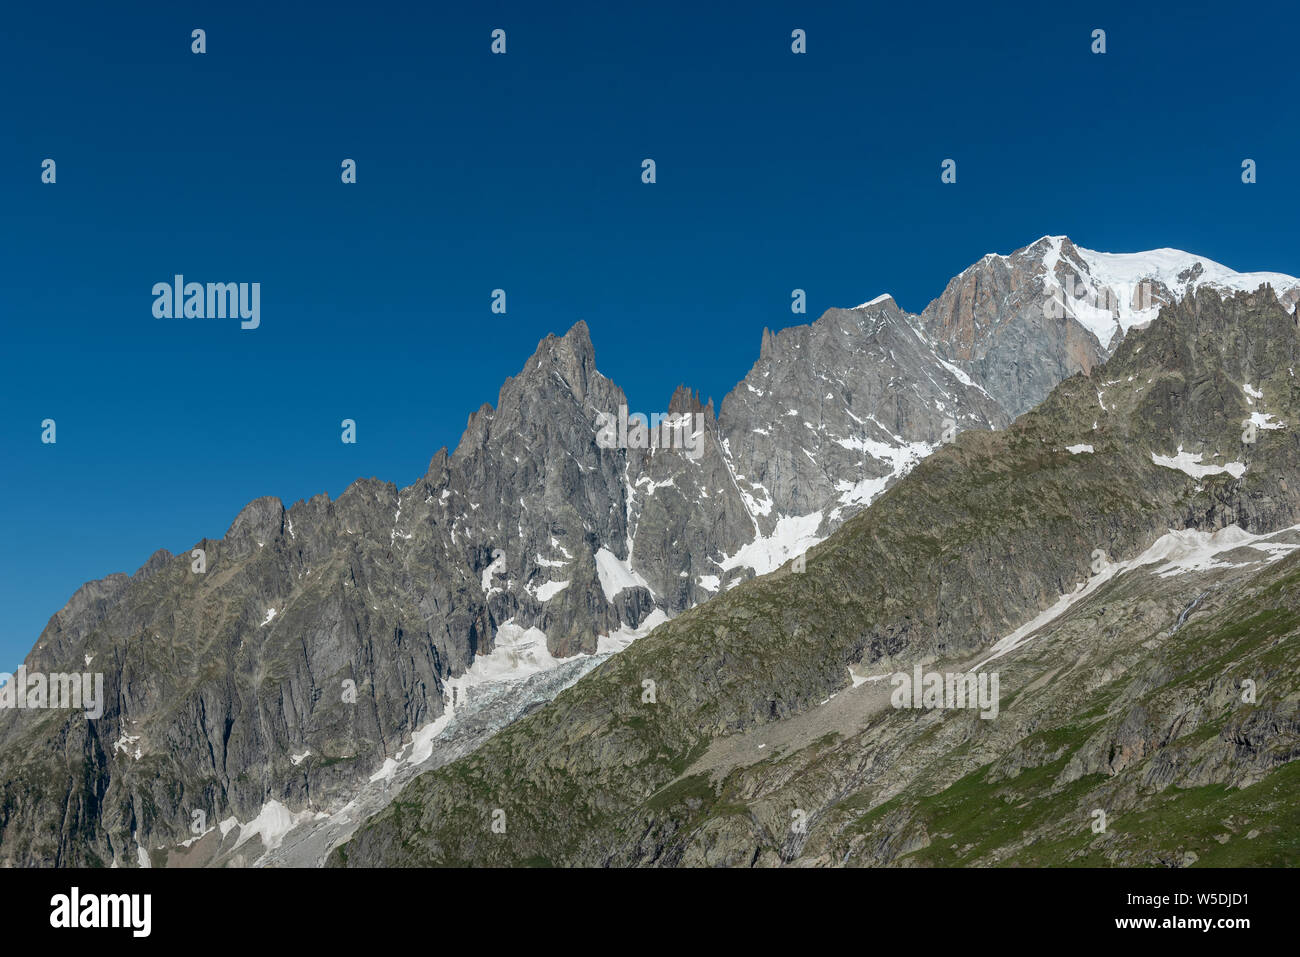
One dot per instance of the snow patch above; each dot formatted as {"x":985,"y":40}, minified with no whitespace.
{"x":1190,"y":464}
{"x":550,"y":589}
{"x":272,"y":823}
{"x":516,"y":653}
{"x":616,"y":641}
{"x":616,"y":574}
{"x":1263,"y":420}
{"x":496,"y":568}
{"x":960,"y":374}
{"x":792,"y":536}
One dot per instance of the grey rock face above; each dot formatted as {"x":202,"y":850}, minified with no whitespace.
{"x":833,"y":410}
{"x":830,"y":415}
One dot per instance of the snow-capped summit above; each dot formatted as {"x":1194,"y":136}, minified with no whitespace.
{"x":1111,"y":293}
{"x":1023,"y":321}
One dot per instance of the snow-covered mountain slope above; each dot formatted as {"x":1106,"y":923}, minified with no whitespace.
{"x":1113,"y":292}
{"x":1021,"y":322}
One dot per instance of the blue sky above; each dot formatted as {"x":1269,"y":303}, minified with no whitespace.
{"x":522,"y":172}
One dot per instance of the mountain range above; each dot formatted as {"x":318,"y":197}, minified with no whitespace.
{"x":370,"y":680}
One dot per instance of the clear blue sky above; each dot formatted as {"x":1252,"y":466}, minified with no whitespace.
{"x":522,"y":171}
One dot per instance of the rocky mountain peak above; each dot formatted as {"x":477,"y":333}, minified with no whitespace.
{"x":572,"y":356}
{"x":685,"y":399}
{"x":258,"y":522}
